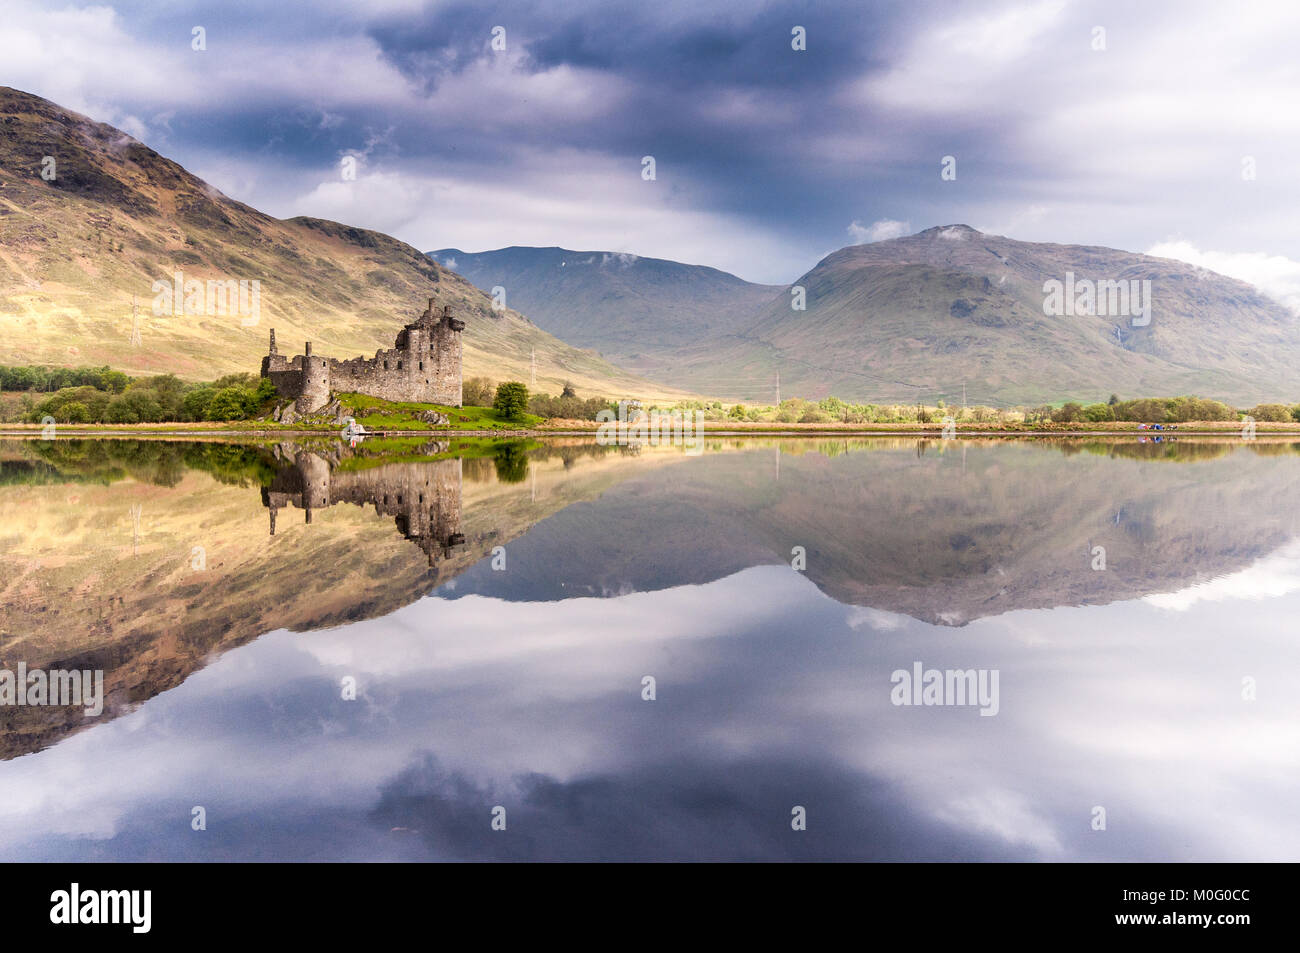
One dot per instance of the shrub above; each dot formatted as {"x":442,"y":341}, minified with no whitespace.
{"x":833,"y":407}
{"x":1096,"y":413}
{"x":93,"y":403}
{"x":229,"y":403}
{"x":511,"y":399}
{"x":790,"y":410}
{"x":1149,"y":410}
{"x":570,"y":408}
{"x":133,"y":407}
{"x":477,"y":392}
{"x":195,"y":404}
{"x":1068,"y":413}
{"x":244,"y":381}
{"x":1182,"y":409}
{"x":165,"y":391}
{"x":1274,"y":413}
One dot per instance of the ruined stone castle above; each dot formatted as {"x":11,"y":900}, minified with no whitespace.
{"x":422,"y":366}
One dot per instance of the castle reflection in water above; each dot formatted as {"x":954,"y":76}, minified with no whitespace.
{"x":422,"y":498}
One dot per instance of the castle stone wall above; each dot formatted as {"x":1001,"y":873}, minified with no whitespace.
{"x":423,"y":366}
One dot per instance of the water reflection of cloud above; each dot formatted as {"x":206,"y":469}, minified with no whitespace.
{"x":1275,"y":575}
{"x":770,"y":694}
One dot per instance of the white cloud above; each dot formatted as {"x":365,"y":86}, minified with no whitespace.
{"x":877,"y":620}
{"x":1271,"y":577}
{"x":1274,"y":275}
{"x":878,"y":231}
{"x":543,"y":202}
{"x":1117,"y":147}
{"x":951,"y":63}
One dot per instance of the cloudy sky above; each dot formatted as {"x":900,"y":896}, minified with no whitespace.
{"x":1130,"y":125}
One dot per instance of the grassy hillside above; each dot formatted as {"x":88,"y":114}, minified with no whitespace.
{"x":76,"y":251}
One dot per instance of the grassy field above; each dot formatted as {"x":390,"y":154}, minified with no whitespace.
{"x":373,"y":413}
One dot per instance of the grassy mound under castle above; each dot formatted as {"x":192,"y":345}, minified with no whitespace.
{"x":374,"y":413}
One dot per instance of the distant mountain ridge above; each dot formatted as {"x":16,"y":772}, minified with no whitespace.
{"x":633,"y":310}
{"x":916,"y":318}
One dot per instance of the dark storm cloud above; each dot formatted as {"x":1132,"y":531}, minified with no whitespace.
{"x":711,"y":45}
{"x":716,"y":94}
{"x":675,"y":811}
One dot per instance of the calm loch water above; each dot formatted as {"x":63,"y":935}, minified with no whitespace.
{"x":316,"y":652}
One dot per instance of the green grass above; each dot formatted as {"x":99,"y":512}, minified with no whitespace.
{"x":381,"y":451}
{"x":376,"y":414}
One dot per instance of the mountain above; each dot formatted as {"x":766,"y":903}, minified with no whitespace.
{"x":76,"y":251}
{"x":636,"y":311}
{"x":913,"y":319}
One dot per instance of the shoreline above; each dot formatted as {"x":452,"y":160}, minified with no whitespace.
{"x":902,"y":430}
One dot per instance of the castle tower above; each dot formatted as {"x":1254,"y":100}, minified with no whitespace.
{"x":274,"y":361}
{"x":447,"y":352}
{"x":315,"y":392}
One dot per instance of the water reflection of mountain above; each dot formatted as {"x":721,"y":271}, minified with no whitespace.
{"x":944,"y":532}
{"x":147,"y":559}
